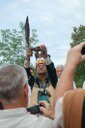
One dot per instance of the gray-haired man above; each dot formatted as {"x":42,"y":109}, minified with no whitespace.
{"x":14,"y":99}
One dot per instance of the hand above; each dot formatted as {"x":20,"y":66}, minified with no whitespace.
{"x":47,"y":110}
{"x":26,"y":63}
{"x":43,"y":51}
{"x":29,"y":52}
{"x":74,"y":55}
{"x":40,"y":51}
{"x":37,"y":55}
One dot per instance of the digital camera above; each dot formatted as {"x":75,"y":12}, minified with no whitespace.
{"x":35,"y":109}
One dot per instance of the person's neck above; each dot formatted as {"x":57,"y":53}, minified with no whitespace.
{"x":13,"y":105}
{"x":42,"y":77}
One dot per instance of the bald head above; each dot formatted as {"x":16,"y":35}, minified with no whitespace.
{"x":59,"y":70}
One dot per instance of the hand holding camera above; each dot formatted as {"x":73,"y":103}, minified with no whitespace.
{"x":43,"y":108}
{"x":40,"y":51}
{"x":76,"y":55}
{"x":35,"y":109}
{"x":47,"y":110}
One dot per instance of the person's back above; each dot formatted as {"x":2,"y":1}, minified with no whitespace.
{"x":20,"y":118}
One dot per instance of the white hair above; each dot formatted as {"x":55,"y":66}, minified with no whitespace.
{"x":12,"y":79}
{"x":59,"y":66}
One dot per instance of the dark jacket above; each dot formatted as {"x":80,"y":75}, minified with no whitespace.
{"x":51,"y":76}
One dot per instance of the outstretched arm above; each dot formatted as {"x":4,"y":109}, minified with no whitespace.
{"x":50,"y":66}
{"x":52,"y":74}
{"x":74,"y":58}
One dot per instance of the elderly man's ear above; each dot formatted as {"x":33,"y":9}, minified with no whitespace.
{"x":26,"y":90}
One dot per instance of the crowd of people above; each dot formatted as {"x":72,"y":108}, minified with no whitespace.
{"x":51,"y":93}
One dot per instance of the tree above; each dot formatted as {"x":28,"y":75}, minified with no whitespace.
{"x":78,"y":36}
{"x":12,"y":45}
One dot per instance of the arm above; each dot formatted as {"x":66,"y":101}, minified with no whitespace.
{"x":50,"y":66}
{"x":66,"y":80}
{"x":31,"y":78}
{"x":51,"y":72}
{"x":26,"y":62}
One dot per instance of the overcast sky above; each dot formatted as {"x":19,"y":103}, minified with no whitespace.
{"x":53,"y":19}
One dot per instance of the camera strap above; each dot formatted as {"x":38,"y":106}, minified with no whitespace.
{"x":44,"y":84}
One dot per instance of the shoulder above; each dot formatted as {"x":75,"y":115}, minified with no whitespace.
{"x":45,"y":122}
{"x":41,"y":122}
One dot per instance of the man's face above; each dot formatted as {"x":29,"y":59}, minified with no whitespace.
{"x":32,"y":72}
{"x":26,"y":64}
{"x":41,"y":68}
{"x":59,"y":71}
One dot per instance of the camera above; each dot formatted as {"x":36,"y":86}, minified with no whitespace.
{"x":35,"y":48}
{"x":35,"y":109}
{"x":83,"y":50}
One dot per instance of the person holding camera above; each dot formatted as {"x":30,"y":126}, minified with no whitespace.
{"x":14,"y":100}
{"x":69,"y":103}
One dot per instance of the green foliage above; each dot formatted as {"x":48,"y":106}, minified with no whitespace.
{"x":12,"y":45}
{"x":34,"y":38}
{"x":78,"y":36}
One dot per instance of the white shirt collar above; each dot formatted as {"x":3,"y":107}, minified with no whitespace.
{"x":13,"y":112}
